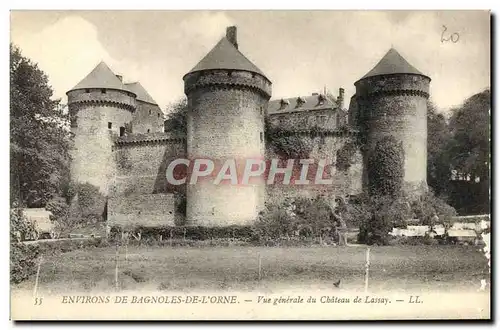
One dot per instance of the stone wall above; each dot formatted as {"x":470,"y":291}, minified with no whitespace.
{"x":346,"y":181}
{"x":141,"y":166}
{"x":148,"y":118}
{"x":325,"y":119}
{"x":151,"y":210}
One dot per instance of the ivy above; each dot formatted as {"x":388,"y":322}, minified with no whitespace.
{"x":345,"y":156}
{"x":386,"y":168}
{"x":286,"y":143}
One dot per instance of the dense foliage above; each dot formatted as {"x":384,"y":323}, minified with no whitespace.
{"x":176,"y":122}
{"x":286,"y":144}
{"x":23,"y":261}
{"x":460,"y":145}
{"x":386,"y":168}
{"x":88,"y":202}
{"x":438,"y":162}
{"x":345,"y":156}
{"x":23,"y":257}
{"x":379,"y":214}
{"x":39,"y":135}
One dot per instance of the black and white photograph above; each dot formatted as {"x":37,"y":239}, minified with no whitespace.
{"x":250,"y":165}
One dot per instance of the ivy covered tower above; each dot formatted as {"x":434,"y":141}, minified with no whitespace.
{"x":227,"y":98}
{"x":391,"y":101}
{"x":100,"y":108}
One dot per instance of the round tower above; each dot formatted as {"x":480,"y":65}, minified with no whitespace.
{"x":227,"y":98}
{"x":100,"y":108}
{"x":392,"y":101}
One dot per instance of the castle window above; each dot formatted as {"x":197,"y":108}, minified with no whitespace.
{"x":149,"y":111}
{"x":122,"y":131}
{"x":110,"y":125}
{"x":87,"y":90}
{"x":261,"y":137}
{"x":158,"y":115}
{"x":148,"y":130}
{"x":103,"y":90}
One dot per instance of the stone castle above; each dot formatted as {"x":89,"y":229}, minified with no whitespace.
{"x":122,"y":148}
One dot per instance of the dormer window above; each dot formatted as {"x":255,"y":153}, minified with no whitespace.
{"x":321,"y":99}
{"x":284,"y":104}
{"x":300,"y":102}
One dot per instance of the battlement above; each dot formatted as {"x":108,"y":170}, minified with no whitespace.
{"x":144,"y":139}
{"x":102,"y":97}
{"x":227,"y":78}
{"x":393,"y":85}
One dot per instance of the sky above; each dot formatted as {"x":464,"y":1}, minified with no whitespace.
{"x":301,"y":52}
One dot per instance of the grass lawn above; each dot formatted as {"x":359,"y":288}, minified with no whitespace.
{"x":401,"y":268}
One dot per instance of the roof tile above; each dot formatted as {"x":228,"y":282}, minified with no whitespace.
{"x":140,"y":91}
{"x":101,"y":77}
{"x":392,"y":63}
{"x":225,"y":56}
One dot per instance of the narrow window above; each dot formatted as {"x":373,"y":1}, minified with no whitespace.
{"x":110,"y":125}
{"x":261,"y":137}
{"x":158,"y":115}
{"x":149,"y":111}
{"x":122,"y":131}
{"x":148,"y":130}
{"x":103,"y":90}
{"x":261,"y":111}
{"x":87,"y":91}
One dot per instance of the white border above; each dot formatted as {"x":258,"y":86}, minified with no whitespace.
{"x":186,"y":4}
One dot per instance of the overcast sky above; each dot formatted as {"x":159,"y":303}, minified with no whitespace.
{"x":300,"y":52}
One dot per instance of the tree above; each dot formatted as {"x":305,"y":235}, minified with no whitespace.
{"x":176,"y":122}
{"x":438,"y":139}
{"x":470,"y":128}
{"x":469,"y":154}
{"x":39,"y":135}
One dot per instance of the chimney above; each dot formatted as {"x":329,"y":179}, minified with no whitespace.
{"x":232,"y":35}
{"x":119,"y":77}
{"x":340,"y":98}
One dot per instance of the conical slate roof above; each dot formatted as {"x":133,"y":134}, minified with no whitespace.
{"x":140,"y":91}
{"x":392,"y":63}
{"x":101,"y":77}
{"x":225,"y":56}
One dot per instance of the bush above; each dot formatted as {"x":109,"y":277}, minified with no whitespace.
{"x":63,"y":246}
{"x":60,"y":213}
{"x":384,"y":213}
{"x":23,"y":261}
{"x":89,"y":202}
{"x":413,"y":241}
{"x":274,"y":222}
{"x":20,"y":227}
{"x":431,"y":209}
{"x":194,"y":233}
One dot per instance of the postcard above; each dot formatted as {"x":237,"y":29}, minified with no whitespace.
{"x":250,"y":165}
